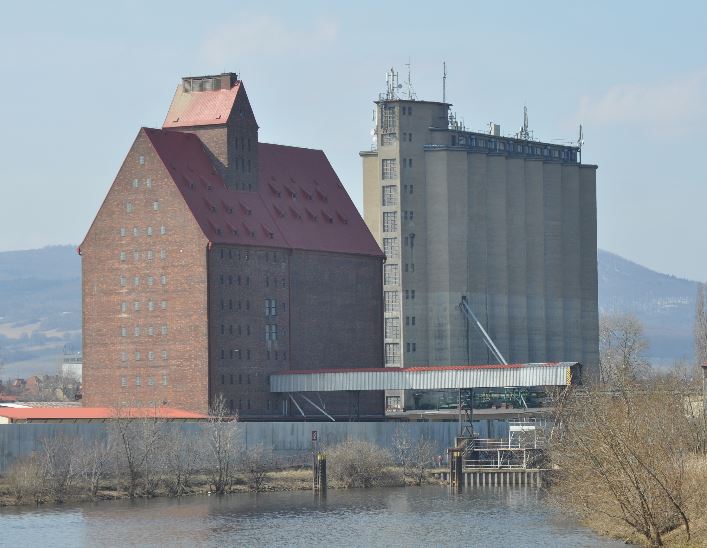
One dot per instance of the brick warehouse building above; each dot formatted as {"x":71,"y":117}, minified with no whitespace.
{"x":215,"y":261}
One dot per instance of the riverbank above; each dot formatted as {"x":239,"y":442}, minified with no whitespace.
{"x":292,"y":479}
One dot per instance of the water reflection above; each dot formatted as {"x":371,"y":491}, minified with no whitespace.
{"x":426,"y":516}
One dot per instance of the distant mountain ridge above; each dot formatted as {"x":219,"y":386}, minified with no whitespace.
{"x":40,"y":306}
{"x":665,"y":304}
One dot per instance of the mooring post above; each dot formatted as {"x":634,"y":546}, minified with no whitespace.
{"x":322,"y":473}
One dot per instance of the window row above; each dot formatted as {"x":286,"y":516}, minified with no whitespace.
{"x":407,"y":162}
{"x":408,"y":215}
{"x":392,"y":353}
{"x":391,"y":248}
{"x":223,"y":279}
{"x":390,"y":195}
{"x":147,"y":255}
{"x":238,"y":354}
{"x":271,"y":307}
{"x":244,"y":254}
{"x":151,"y":356}
{"x":409,"y":267}
{"x":137,"y":305}
{"x":245,"y":166}
{"x":390,"y":221}
{"x":147,"y":184}
{"x":407,"y":137}
{"x":409,"y":240}
{"x":243,"y":142}
{"x":129,"y":205}
{"x":411,"y":347}
{"x":407,"y":110}
{"x":391,"y":274}
{"x":389,"y":168}
{"x":137,"y":231}
{"x":149,"y":280}
{"x":150,"y":331}
{"x":407,"y":189}
{"x":239,"y":304}
{"x":232,"y":378}
{"x":392,"y":328}
{"x":409,"y":294}
{"x":239,"y":330}
{"x":392,"y":301}
{"x":409,"y":320}
{"x":235,"y":354}
{"x":138,"y":381}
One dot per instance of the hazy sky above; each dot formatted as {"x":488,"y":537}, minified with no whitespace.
{"x":81,"y":78}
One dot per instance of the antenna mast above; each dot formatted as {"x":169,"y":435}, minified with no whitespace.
{"x":444,"y":81}
{"x":580,"y":142}
{"x":411,"y":92}
{"x":524,"y":132}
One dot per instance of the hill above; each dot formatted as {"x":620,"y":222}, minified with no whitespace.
{"x":664,"y":304}
{"x":40,"y":306}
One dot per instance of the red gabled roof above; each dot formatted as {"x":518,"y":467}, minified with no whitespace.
{"x":301,"y":203}
{"x":87,"y":413}
{"x":201,"y":108}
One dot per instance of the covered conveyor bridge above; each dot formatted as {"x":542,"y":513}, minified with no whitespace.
{"x":428,"y":378}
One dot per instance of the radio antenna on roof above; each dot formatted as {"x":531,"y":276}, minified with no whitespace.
{"x":444,"y":81}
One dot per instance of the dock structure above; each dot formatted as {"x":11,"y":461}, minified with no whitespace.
{"x":515,"y":460}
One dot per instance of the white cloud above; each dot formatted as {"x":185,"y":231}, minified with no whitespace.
{"x":676,"y":107}
{"x":264,"y":35}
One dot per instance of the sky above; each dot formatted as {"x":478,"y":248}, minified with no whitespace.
{"x":81,"y":78}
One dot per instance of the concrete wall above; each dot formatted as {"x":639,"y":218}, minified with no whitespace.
{"x":285,"y":438}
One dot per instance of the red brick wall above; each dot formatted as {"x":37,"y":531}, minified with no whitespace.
{"x":186,"y":341}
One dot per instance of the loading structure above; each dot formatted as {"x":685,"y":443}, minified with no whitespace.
{"x":306,"y":385}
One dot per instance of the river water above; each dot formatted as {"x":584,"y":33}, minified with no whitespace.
{"x":425,"y":516}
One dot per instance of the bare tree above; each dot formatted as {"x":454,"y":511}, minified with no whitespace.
{"x":136,"y":438}
{"x":182,"y":456}
{"x":255,"y":463}
{"x":621,"y":349}
{"x":701,"y":325}
{"x":95,"y":460}
{"x":624,"y":456}
{"x":221,"y":445}
{"x":414,"y":456}
{"x":60,"y":460}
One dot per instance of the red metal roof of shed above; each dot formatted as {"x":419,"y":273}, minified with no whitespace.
{"x":86,"y":413}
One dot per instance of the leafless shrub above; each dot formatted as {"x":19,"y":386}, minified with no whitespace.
{"x":136,"y":441}
{"x":255,"y":464}
{"x":182,"y":455}
{"x":621,"y":349}
{"x":221,"y":446}
{"x":94,"y":463}
{"x":624,"y":455}
{"x":26,"y":479}
{"x":60,"y":462}
{"x":358,"y":464}
{"x":414,"y":456}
